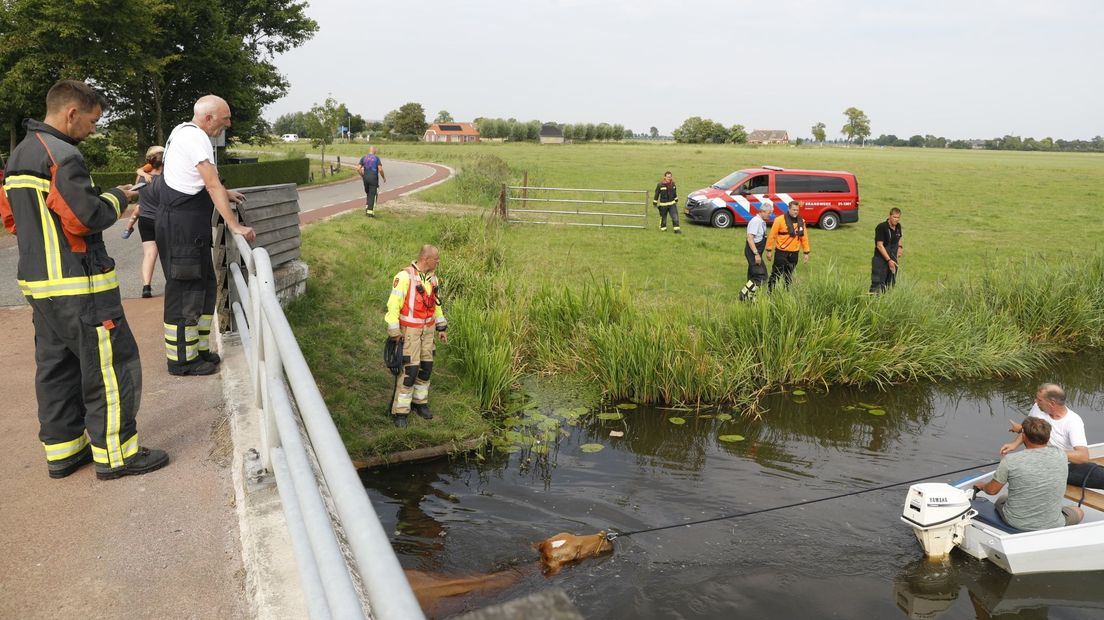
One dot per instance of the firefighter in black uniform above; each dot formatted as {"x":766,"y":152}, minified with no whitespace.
{"x":666,"y":198}
{"x":190,"y":193}
{"x":89,"y":379}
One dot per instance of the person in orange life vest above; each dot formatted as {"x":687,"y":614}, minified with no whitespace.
{"x":666,"y":199}
{"x":789,"y":236}
{"x":88,"y":380}
{"x":414,"y":314}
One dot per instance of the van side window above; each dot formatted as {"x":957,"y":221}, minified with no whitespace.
{"x":791,"y":183}
{"x":756,"y":185}
{"x":829,"y":185}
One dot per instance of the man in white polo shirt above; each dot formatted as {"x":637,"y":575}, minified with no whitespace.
{"x":191,"y":192}
{"x":1067,"y":433}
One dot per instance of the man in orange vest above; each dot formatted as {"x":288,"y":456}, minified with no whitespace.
{"x":413,"y":315}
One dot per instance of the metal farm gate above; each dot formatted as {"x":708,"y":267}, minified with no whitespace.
{"x":606,"y":208}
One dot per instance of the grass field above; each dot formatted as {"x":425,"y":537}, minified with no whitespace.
{"x":1000,"y":273}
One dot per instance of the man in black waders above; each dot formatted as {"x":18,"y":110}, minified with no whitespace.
{"x":192,"y":190}
{"x":753,"y":251}
{"x":413,"y":315}
{"x":89,"y":378}
{"x":666,"y":199}
{"x":788,"y":234}
{"x":887,"y":251}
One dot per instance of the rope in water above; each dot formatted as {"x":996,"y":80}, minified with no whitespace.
{"x":615,"y":534}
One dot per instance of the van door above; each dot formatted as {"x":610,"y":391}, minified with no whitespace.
{"x":749,"y":194}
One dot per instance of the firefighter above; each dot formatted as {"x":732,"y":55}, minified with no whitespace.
{"x":190,"y":193}
{"x":666,"y":199}
{"x":788,"y":235}
{"x":88,"y":380}
{"x":413,"y":315}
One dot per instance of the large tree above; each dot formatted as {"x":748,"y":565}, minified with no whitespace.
{"x":443,"y":117}
{"x":857,"y":126}
{"x":408,"y":120}
{"x":696,"y":130}
{"x":819,"y":132}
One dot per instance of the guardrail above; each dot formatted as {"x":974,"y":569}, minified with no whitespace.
{"x":276,"y":362}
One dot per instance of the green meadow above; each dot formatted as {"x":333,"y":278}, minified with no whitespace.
{"x":1000,"y":274}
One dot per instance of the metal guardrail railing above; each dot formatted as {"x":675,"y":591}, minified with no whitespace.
{"x":568,"y":216}
{"x":275,"y":364}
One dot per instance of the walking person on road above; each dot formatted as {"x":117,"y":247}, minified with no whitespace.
{"x":88,"y":380}
{"x":788,"y":235}
{"x":370,"y":170}
{"x":666,"y":199}
{"x":887,"y":251}
{"x":191,"y":192}
{"x":413,"y":315}
{"x":753,"y":251}
{"x":145,"y":217}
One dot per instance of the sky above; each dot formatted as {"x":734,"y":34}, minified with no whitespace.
{"x":959,"y":69}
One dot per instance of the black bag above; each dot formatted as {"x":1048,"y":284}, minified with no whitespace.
{"x":392,"y":355}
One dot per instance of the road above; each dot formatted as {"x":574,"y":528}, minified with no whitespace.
{"x":314,"y":202}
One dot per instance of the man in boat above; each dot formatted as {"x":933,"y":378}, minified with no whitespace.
{"x":1067,"y":433}
{"x":1036,"y":479}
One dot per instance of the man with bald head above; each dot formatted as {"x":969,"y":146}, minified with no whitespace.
{"x":413,"y":315}
{"x":191,"y":192}
{"x":370,"y":170}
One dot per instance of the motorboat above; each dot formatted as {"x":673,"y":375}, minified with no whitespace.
{"x":947,"y":515}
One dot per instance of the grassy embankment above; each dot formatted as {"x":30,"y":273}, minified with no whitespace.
{"x":997,"y":277}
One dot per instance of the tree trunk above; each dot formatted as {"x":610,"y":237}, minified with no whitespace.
{"x":159,"y":127}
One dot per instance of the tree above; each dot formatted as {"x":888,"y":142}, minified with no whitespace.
{"x":408,"y":120}
{"x":819,"y":132}
{"x":324,"y":120}
{"x":653,"y":132}
{"x":627,"y":134}
{"x":737,"y":134}
{"x":696,"y":130}
{"x":443,"y":117}
{"x":857,"y":125}
{"x":916,"y":141}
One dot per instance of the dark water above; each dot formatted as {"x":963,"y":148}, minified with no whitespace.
{"x":845,"y":558}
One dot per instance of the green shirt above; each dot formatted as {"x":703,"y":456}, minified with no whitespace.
{"x":1036,"y":480}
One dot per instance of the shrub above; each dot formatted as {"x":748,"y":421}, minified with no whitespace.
{"x":235,"y":175}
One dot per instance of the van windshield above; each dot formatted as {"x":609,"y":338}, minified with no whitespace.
{"x":731,"y":180}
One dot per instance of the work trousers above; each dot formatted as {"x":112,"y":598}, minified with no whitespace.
{"x":412,"y":384}
{"x":371,"y":190}
{"x":663,"y":211}
{"x":88,"y":378}
{"x":184,"y":245}
{"x":756,"y":274}
{"x":881,"y":277}
{"x":784,"y":265}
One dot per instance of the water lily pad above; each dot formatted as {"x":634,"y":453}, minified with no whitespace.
{"x":705,"y":417}
{"x":876,"y":411}
{"x":731,"y":438}
{"x":550,"y":435}
{"x":677,"y":420}
{"x":562,"y":412}
{"x":724,"y":417}
{"x":798,"y":392}
{"x":626,"y":406}
{"x":868,"y":406}
{"x":852,"y":408}
{"x":800,"y":401}
{"x":578,"y":411}
{"x":540,"y":449}
{"x":508,"y":449}
{"x":611,"y":415}
{"x":592,"y":447}
{"x":511,"y":421}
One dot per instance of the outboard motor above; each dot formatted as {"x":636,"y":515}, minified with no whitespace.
{"x":938,"y":514}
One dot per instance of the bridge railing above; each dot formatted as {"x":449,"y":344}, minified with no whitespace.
{"x":302,"y":448}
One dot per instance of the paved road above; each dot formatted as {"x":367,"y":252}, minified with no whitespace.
{"x":323,"y":200}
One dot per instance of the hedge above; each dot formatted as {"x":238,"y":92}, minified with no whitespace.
{"x":235,"y":175}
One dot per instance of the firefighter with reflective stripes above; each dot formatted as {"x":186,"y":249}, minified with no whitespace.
{"x":190,"y":194}
{"x":788,"y":235}
{"x":666,"y":199}
{"x":89,"y":378}
{"x":413,"y":315}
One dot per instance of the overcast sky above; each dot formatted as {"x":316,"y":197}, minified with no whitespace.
{"x":959,"y":69}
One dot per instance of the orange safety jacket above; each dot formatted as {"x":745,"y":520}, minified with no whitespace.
{"x":419,"y":308}
{"x":781,"y":238}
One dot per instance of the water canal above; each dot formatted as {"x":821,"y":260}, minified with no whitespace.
{"x":846,"y":558}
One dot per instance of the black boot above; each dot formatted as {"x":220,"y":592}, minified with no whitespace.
{"x":66,"y":466}
{"x":422,"y":409}
{"x":210,"y":357}
{"x":194,"y":368}
{"x":400,"y":420}
{"x":143,"y":461}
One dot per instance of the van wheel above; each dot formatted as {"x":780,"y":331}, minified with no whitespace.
{"x":721,"y":219}
{"x":829,"y":221}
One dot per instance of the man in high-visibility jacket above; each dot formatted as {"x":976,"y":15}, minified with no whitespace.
{"x":788,"y":236}
{"x":413,"y":315}
{"x":666,"y":200}
{"x":88,"y":380}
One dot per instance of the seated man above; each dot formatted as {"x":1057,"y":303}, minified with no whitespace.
{"x":1067,"y":434}
{"x":1036,"y":479}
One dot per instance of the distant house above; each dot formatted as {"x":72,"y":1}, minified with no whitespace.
{"x":551,"y":134}
{"x":451,"y":132}
{"x":768,"y":136}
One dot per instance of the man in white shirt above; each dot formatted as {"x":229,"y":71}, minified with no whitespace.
{"x":1067,"y":433}
{"x":753,"y":250}
{"x":191,"y":192}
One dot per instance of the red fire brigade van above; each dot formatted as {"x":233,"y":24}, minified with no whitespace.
{"x":828,"y":198}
